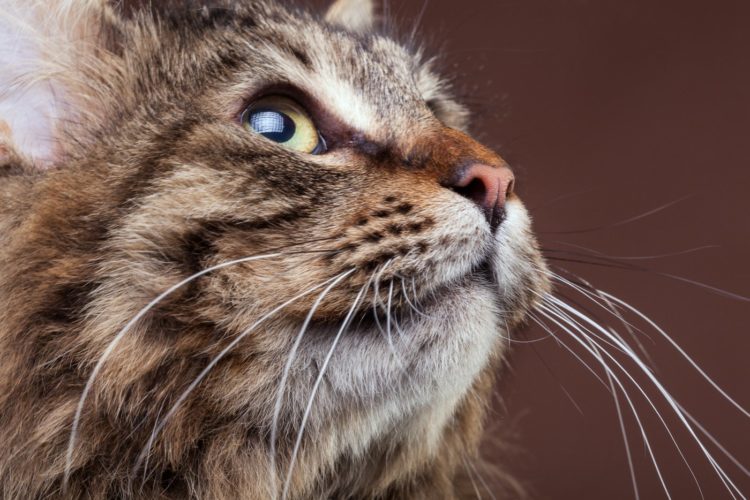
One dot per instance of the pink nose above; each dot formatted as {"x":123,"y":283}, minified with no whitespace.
{"x":488,"y":187}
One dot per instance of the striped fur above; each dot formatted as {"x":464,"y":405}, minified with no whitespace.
{"x":147,"y":178}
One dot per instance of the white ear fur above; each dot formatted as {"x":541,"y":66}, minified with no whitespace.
{"x":354,"y":15}
{"x":40,"y":42}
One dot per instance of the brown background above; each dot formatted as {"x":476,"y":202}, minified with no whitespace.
{"x":624,"y":106}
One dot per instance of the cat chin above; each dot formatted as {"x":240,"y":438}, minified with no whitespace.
{"x":409,"y":374}
{"x":414,"y":380}
{"x":432,"y":350}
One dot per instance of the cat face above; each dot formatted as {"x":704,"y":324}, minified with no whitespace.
{"x":354,"y":282}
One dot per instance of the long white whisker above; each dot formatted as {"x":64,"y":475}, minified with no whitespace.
{"x":121,"y":334}
{"x":621,"y":422}
{"x":389,"y":321}
{"x":606,"y":305}
{"x":376,"y":293}
{"x":391,"y":317}
{"x":680,"y":350}
{"x":667,"y":396}
{"x":611,"y":307}
{"x":411,"y":304}
{"x":287,"y":368}
{"x":315,"y":388}
{"x":418,"y":21}
{"x":406,"y":298}
{"x":624,"y":391}
{"x":618,"y":344}
{"x":586,"y":333}
{"x":595,"y":296}
{"x":562,"y":344}
{"x":716,"y":442}
{"x":376,"y":303}
{"x":624,"y":433}
{"x":723,"y":476}
{"x":216,"y":360}
{"x":130,"y":479}
{"x":562,"y":386}
{"x":596,"y":351}
{"x":414,"y":291}
{"x":616,"y":400}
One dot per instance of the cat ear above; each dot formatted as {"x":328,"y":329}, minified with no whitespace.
{"x":354,"y":15}
{"x":43,"y":43}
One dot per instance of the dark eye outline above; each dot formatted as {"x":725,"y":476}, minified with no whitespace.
{"x":320,"y":148}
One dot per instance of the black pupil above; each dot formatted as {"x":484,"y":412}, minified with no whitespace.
{"x":274,"y":125}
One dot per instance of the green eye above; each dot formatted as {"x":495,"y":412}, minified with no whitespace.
{"x":283,"y":121}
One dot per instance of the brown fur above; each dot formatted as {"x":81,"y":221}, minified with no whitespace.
{"x":159,"y":182}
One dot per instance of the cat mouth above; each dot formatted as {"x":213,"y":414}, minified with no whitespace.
{"x":485,"y":270}
{"x":395,"y":313}
{"x":409,"y":300}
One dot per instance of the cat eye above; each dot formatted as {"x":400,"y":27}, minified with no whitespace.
{"x":285,"y":122}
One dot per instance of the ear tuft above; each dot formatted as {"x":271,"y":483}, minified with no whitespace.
{"x":42,"y":47}
{"x":355,"y":15}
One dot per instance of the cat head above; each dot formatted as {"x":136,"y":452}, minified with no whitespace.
{"x":251,"y":248}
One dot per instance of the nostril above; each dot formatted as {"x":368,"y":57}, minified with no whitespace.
{"x":476,"y":191}
{"x":488,"y":187}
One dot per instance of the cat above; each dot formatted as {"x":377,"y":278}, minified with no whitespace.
{"x":252,"y":251}
{"x":247,"y":251}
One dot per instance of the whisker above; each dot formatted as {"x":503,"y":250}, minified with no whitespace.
{"x":216,"y":360}
{"x":510,"y":340}
{"x":406,"y":298}
{"x":594,"y":295}
{"x":610,"y":299}
{"x":554,"y":376}
{"x":389,"y":320}
{"x":285,"y":375}
{"x":565,"y":346}
{"x":636,"y":257}
{"x":578,"y":258}
{"x":477,"y":494}
{"x":680,"y":350}
{"x":612,"y":377}
{"x":625,"y":221}
{"x":414,"y":291}
{"x":729,"y":484}
{"x":411,"y":304}
{"x":716,"y":442}
{"x":648,"y":399}
{"x":418,"y":21}
{"x":609,"y":387}
{"x":625,"y":439}
{"x":401,"y":334}
{"x":316,"y":386}
{"x":621,"y":422}
{"x":617,"y":346}
{"x":121,"y":334}
{"x":481,"y":479}
{"x":153,"y":431}
{"x":376,"y":293}
{"x":557,"y":199}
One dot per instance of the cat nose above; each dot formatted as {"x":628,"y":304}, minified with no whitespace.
{"x":489,"y":187}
